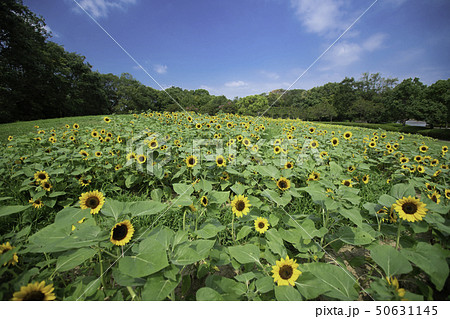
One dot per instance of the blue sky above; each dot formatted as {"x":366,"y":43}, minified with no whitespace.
{"x":244,"y":47}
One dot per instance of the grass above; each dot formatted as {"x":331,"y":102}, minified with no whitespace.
{"x":441,"y":134}
{"x":19,"y":128}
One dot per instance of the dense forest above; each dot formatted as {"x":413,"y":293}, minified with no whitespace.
{"x":40,"y":79}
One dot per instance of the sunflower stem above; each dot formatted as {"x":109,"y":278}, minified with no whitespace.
{"x":232,"y":228}
{"x":101,"y":266}
{"x":398,"y":234}
{"x":132,"y":293}
{"x":184,"y":220}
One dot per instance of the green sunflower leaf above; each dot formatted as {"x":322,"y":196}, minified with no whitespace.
{"x":8,"y":210}
{"x":71,"y":259}
{"x":390,"y":260}
{"x":145,"y":208}
{"x":183,"y":189}
{"x":153,"y":259}
{"x":245,"y":254}
{"x":339,"y":281}
{"x":158,"y":288}
{"x":208,"y":294}
{"x":432,"y":260}
{"x":287,"y":293}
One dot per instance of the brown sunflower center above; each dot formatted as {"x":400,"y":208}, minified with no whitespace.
{"x":220,"y":161}
{"x":347,"y":183}
{"x":434,"y":198}
{"x":153,"y":144}
{"x":191,"y":161}
{"x":41,"y":176}
{"x":282,"y":184}
{"x":92,"y":202}
{"x":289,"y":165}
{"x":240,"y":205}
{"x":120,"y":232}
{"x":261,"y":225}
{"x":286,"y":272}
{"x":204,"y":200}
{"x":34,"y":296}
{"x":409,"y":208}
{"x":141,"y":158}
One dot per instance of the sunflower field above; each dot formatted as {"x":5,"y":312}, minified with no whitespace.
{"x":183,"y":206}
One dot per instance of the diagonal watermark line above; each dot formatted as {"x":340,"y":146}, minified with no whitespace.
{"x":134,"y":242}
{"x":318,"y":245}
{"x":320,"y":56}
{"x":131,"y":57}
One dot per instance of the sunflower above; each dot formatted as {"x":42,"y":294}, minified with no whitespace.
{"x":420,"y":169}
{"x":131,"y":156}
{"x":141,"y":158}
{"x":447,"y":193}
{"x":246,"y":142}
{"x":106,"y":119}
{"x":435,"y":197}
{"x":94,"y":133}
{"x":240,"y":205}
{"x":7,"y":247}
{"x":84,"y":181}
{"x":93,"y":200}
{"x":41,"y":176}
{"x":393,"y":282}
{"x":351,"y":168}
{"x":288,"y":165}
{"x":191,"y":161}
{"x":98,"y":154}
{"x":283,"y":183}
{"x":121,"y":233}
{"x":10,"y":138}
{"x":365,"y":179}
{"x":348,"y":135}
{"x":277,"y":149}
{"x":404,"y":160}
{"x":153,"y":144}
{"x":314,"y":176}
{"x":444,"y":149}
{"x":46,"y":185}
{"x":220,"y":161}
{"x":261,"y":225}
{"x":285,"y":272}
{"x":117,"y":167}
{"x":410,"y":209}
{"x":372,"y":144}
{"x":225,"y":176}
{"x":423,"y":148}
{"x":204,"y":201}
{"x":347,"y":182}
{"x":36,"y":291}
{"x":323,"y":155}
{"x":418,"y":158}
{"x":76,"y":126}
{"x":36,"y":203}
{"x":335,"y":141}
{"x":314,"y":144}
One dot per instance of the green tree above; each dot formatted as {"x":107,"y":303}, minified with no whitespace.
{"x":252,"y":105}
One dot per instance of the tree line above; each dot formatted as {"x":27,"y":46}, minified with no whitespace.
{"x":40,"y":79}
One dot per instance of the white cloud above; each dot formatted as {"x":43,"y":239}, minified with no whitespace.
{"x":322,"y":17}
{"x":270,"y":75}
{"x":235,"y":84}
{"x":374,"y":42}
{"x":346,"y":53}
{"x":52,"y":33}
{"x":101,"y":8}
{"x":160,"y":69}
